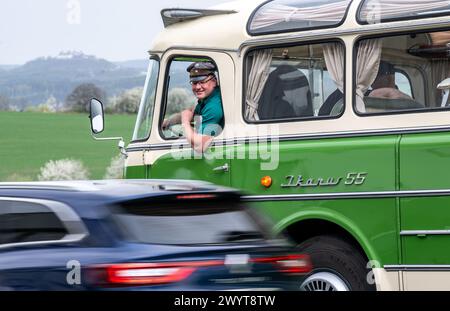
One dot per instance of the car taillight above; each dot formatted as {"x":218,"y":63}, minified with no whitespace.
{"x":152,"y":273}
{"x":119,"y":274}
{"x":297,"y":264}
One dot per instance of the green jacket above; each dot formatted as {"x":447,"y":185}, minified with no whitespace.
{"x":211,"y":113}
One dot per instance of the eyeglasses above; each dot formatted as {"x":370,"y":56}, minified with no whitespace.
{"x":202,"y":83}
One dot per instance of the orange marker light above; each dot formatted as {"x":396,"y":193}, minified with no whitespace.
{"x":266,"y":181}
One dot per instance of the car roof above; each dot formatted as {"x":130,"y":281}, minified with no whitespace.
{"x":131,"y":186}
{"x":84,"y":195}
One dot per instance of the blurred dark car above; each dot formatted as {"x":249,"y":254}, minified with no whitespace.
{"x":139,"y":235}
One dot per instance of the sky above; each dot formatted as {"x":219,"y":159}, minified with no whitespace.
{"x":116,"y":30}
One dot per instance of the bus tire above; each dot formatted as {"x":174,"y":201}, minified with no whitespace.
{"x":337,"y":266}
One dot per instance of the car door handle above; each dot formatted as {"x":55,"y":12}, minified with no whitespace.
{"x":223,"y":168}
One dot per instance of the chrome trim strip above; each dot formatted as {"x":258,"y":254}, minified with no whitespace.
{"x":75,"y":227}
{"x":240,"y":140}
{"x":424,"y":232}
{"x":346,"y":195}
{"x":191,"y":48}
{"x":417,"y":267}
{"x":330,"y":33}
{"x":165,"y":146}
{"x":70,"y":238}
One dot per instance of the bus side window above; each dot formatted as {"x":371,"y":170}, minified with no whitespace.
{"x":409,"y":69}
{"x":295,"y":83}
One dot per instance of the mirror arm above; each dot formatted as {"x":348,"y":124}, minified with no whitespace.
{"x":121,"y":143}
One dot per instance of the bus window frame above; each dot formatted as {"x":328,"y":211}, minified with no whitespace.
{"x":391,"y":20}
{"x":158,"y":59}
{"x":165,"y":92}
{"x":354,"y":82}
{"x":289,"y":120}
{"x":250,"y":19}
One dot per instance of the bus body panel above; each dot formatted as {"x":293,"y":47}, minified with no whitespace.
{"x":424,"y":166}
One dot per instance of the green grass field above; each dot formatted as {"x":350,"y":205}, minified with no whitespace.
{"x":29,"y":140}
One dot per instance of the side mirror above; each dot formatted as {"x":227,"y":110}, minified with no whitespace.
{"x":445,"y":87}
{"x":96,"y":116}
{"x":98,"y":124}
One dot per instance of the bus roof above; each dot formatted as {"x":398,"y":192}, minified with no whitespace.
{"x":227,"y":26}
{"x":226,"y":31}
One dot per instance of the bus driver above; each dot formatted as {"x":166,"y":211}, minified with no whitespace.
{"x":208,"y":112}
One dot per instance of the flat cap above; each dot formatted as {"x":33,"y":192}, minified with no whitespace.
{"x":200,"y":70}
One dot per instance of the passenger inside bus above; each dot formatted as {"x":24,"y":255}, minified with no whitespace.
{"x":384,"y":84}
{"x":384,"y":95}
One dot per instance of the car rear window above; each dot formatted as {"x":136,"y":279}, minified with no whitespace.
{"x":200,"y":223}
{"x":22,"y":222}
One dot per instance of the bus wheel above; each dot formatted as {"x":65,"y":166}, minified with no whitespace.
{"x":337,"y":266}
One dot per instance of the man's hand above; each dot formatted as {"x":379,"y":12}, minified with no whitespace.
{"x":165,"y":124}
{"x":186,"y":116}
{"x":199,"y":143}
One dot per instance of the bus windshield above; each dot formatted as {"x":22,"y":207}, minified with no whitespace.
{"x":145,"y":114}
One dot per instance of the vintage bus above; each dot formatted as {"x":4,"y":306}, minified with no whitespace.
{"x":336,"y":124}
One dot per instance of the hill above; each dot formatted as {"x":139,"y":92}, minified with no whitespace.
{"x":8,"y":67}
{"x":140,"y":64}
{"x":34,"y":82}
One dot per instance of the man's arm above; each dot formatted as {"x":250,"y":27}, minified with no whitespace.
{"x":175,"y":119}
{"x":198,"y":142}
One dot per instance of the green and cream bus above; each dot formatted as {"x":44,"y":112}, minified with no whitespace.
{"x":337,"y":124}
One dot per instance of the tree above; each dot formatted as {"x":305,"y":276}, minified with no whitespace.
{"x":80,"y":97}
{"x":115,"y":168}
{"x":4,"y":103}
{"x":127,"y":102}
{"x":64,"y":169}
{"x":51,"y":105}
{"x":178,"y":100}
